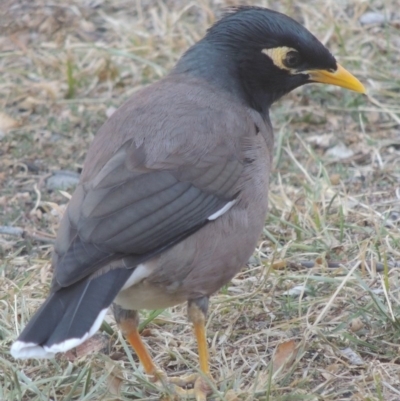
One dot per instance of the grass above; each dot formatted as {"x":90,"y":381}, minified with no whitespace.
{"x":332,"y":231}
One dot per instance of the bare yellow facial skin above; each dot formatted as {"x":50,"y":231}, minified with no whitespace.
{"x":278,"y":54}
{"x":339,"y":77}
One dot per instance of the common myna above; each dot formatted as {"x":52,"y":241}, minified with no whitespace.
{"x":174,"y":190}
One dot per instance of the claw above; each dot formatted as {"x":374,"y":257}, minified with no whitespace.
{"x":201,"y":389}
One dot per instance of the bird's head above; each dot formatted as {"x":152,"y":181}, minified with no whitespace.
{"x":267,"y":54}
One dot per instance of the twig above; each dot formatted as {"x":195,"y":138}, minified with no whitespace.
{"x":309,"y":264}
{"x":20,"y":232}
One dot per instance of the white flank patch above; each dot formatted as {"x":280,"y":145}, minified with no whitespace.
{"x":23,"y":350}
{"x":139,"y":274}
{"x":220,"y":212}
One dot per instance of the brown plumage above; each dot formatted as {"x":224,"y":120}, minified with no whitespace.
{"x":174,"y":189}
{"x":175,"y":140}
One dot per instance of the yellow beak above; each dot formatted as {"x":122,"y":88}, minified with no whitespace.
{"x":340,"y":77}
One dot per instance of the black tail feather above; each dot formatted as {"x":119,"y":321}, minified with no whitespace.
{"x":68,"y":315}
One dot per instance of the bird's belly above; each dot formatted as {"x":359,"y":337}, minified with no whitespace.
{"x":145,"y":295}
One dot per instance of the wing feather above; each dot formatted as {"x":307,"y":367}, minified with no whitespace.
{"x":143,"y":212}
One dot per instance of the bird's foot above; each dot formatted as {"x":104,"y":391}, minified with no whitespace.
{"x":199,"y":390}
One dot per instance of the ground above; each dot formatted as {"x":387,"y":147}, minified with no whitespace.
{"x":315,"y":316}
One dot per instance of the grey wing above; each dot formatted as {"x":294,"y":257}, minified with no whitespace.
{"x":135,"y":213}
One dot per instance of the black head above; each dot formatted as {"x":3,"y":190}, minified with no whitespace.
{"x":261,"y":55}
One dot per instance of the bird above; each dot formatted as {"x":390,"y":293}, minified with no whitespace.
{"x":173,"y":194}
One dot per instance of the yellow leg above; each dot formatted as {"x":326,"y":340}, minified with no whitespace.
{"x":197,"y":315}
{"x":141,"y":351}
{"x":200,"y":333}
{"x":128,"y":323}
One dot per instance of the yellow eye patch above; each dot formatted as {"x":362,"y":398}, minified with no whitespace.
{"x":278,"y":55}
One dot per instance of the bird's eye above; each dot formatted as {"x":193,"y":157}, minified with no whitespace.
{"x":292,"y":59}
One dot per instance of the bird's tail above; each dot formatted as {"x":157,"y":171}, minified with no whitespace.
{"x":69,"y":316}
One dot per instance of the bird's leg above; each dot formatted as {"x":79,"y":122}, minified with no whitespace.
{"x":197,"y":310}
{"x":128,"y":322}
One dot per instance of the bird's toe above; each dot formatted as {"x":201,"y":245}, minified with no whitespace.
{"x":192,"y":386}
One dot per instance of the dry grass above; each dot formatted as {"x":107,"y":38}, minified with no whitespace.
{"x":63,"y":68}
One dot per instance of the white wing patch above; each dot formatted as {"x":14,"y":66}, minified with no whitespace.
{"x":220,"y":212}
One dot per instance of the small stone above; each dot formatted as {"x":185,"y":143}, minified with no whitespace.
{"x":356,"y":325}
{"x":340,"y":151}
{"x":372,"y":17}
{"x":296,"y":291}
{"x":335,"y":179}
{"x":62,"y":179}
{"x":352,"y":356}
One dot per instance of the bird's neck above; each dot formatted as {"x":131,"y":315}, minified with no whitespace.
{"x":221,"y":69}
